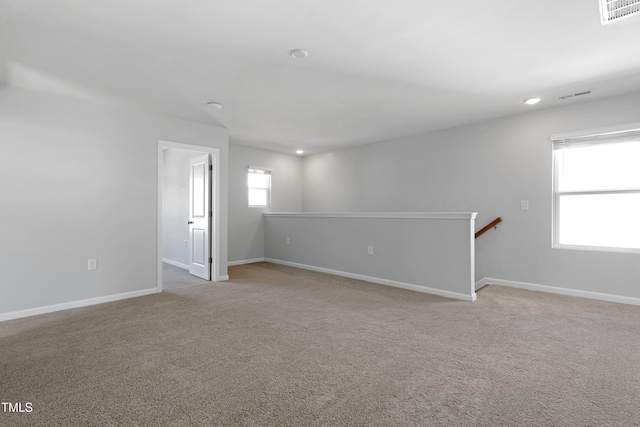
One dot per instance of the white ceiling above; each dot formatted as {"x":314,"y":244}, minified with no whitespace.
{"x":376,"y":70}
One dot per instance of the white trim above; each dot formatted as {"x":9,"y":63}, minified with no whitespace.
{"x":215,"y":194}
{"x":75,"y":304}
{"x":472,"y":257}
{"x":245,"y":261}
{"x":175,"y":263}
{"x":260,"y":168}
{"x":561,"y":291}
{"x":390,"y":215}
{"x":482,"y":283}
{"x":558,"y":137}
{"x":393,"y":283}
{"x":595,"y":248}
{"x":215,"y":188}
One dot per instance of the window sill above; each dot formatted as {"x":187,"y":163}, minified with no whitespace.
{"x":596,"y":249}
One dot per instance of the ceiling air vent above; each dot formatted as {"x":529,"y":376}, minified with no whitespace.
{"x":573,"y":95}
{"x":615,"y":10}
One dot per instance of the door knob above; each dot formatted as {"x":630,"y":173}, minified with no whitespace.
{"x":190,"y":222}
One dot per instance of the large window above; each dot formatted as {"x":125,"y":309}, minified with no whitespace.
{"x":259,"y":184}
{"x":597,"y":191}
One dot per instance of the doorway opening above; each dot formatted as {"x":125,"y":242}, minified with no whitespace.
{"x":188,"y":208}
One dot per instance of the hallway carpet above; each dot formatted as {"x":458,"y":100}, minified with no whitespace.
{"x":175,"y":277}
{"x":279,"y":346}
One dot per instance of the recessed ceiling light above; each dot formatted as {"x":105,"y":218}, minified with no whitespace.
{"x":531,"y":101}
{"x":214,"y":105}
{"x":299,"y":152}
{"x":299,"y":53}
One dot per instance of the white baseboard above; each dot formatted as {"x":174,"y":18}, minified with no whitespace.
{"x":75,"y":304}
{"x":409,"y":286}
{"x":482,"y":283}
{"x":245,"y":261}
{"x":175,"y":263}
{"x":186,"y":267}
{"x":561,"y":291}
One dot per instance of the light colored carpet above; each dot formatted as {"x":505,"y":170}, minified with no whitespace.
{"x":175,"y":277}
{"x":278,"y":346}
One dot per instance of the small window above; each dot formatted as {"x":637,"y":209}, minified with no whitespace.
{"x":597,"y":191}
{"x":259,"y":184}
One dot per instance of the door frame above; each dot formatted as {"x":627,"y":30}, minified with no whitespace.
{"x":215,"y":201}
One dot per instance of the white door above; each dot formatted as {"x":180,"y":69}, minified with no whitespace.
{"x":200,"y":217}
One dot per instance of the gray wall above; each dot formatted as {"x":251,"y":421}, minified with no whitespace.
{"x":246,"y":225}
{"x":175,"y":204}
{"x":79,"y":180}
{"x":429,"y":253}
{"x":486,"y":168}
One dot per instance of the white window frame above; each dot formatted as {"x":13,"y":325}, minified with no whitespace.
{"x":612,"y":133}
{"x":260,"y":170}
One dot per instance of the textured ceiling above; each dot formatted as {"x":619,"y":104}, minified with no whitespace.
{"x":376,"y":69}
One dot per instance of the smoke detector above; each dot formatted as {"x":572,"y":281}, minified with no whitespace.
{"x":299,"y":53}
{"x":615,"y":10}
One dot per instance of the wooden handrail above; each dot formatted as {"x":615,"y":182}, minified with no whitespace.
{"x":489,"y":226}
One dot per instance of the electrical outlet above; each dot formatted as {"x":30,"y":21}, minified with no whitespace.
{"x":92,"y":264}
{"x":370,"y":250}
{"x":524,"y":205}
{"x":288,"y":241}
{"x":185,"y":243}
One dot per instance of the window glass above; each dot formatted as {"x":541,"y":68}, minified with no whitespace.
{"x":607,"y":220}
{"x":259,"y":187}
{"x":257,"y":197}
{"x":599,"y":167}
{"x":258,"y":180}
{"x":597,"y":194}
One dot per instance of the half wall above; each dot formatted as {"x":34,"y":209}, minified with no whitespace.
{"x":425,"y":252}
